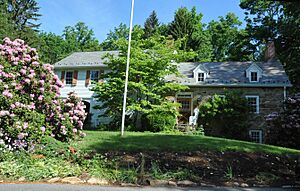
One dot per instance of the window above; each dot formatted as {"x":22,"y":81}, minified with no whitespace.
{"x":253,"y":102}
{"x":200,"y":77}
{"x":184,"y":95}
{"x":253,"y":77}
{"x":69,"y":78}
{"x":256,"y":135}
{"x":95,"y":76}
{"x":185,"y":104}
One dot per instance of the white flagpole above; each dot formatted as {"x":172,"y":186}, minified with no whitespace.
{"x":127,"y":70}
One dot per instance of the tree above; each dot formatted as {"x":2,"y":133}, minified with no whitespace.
{"x":6,"y":25}
{"x":276,"y":21}
{"x":151,"y":61}
{"x":187,"y":27}
{"x":80,"y":38}
{"x":120,"y":32}
{"x":52,"y":48}
{"x":225,"y":117}
{"x":284,"y":127}
{"x":151,"y":25}
{"x":228,"y":41}
{"x":22,"y":16}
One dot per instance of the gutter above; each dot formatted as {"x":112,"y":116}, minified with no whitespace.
{"x":239,"y":85}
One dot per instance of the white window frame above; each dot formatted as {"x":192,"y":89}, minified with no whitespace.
{"x":184,"y":95}
{"x":260,"y":135}
{"x":202,"y":77}
{"x":91,"y":75}
{"x":257,"y":102}
{"x":256,"y":76}
{"x":254,"y":68}
{"x":71,"y":78}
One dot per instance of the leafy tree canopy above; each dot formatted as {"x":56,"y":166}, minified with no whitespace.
{"x":228,"y":41}
{"x":276,"y":21}
{"x":151,"y":25}
{"x":151,"y":61}
{"x":188,"y":27}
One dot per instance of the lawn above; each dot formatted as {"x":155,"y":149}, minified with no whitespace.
{"x":135,"y":141}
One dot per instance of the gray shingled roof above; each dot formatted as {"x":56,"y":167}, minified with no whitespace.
{"x":84,"y":59}
{"x":232,"y":74}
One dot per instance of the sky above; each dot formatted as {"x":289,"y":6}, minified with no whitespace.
{"x":103,"y":15}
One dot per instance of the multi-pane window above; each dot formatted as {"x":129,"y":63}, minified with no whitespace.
{"x":69,"y":77}
{"x":185,"y":104}
{"x":253,"y":77}
{"x":95,"y":76}
{"x":256,"y":136}
{"x":200,"y":77}
{"x":253,"y":103}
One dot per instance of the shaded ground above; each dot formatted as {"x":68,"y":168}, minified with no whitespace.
{"x":213,"y":168}
{"x":203,"y":160}
{"x":64,"y":187}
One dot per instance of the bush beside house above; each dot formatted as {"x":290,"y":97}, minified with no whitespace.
{"x":225,"y":116}
{"x":284,"y":127}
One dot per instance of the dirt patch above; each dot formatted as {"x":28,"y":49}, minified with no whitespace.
{"x":217,"y":168}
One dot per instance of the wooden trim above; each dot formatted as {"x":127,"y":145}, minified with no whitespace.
{"x":75,"y":76}
{"x":87,"y":78}
{"x":62,"y":77}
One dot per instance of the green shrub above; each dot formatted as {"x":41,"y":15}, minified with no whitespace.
{"x":225,"y":117}
{"x":283,"y":128}
{"x":161,"y":118}
{"x":23,"y":165}
{"x":50,"y":147}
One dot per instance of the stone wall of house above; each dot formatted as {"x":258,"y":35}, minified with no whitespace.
{"x":270,"y":100}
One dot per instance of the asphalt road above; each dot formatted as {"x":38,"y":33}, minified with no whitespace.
{"x":67,"y":187}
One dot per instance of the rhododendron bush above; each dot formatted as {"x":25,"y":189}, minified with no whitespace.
{"x":284,"y":127}
{"x":30,"y":106}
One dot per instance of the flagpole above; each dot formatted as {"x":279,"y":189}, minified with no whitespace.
{"x":127,"y":70}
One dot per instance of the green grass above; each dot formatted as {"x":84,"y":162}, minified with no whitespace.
{"x":136,"y":141}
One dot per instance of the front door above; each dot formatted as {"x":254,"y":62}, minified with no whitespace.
{"x":185,"y":109}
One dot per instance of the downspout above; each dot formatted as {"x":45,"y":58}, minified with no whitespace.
{"x":284,"y":93}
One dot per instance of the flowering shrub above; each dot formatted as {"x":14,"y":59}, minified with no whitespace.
{"x":30,"y":106}
{"x":284,"y":127}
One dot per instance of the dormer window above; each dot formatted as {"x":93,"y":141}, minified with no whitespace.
{"x":253,"y":77}
{"x":200,"y":73}
{"x":201,"y":77}
{"x":254,"y":73}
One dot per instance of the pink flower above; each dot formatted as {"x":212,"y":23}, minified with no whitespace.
{"x":40,"y":98}
{"x":23,"y":71}
{"x":4,"y":113}
{"x":25,"y":125}
{"x":6,"y":93}
{"x":27,"y":80}
{"x":43,"y":129}
{"x":12,"y":106}
{"x":21,"y":136}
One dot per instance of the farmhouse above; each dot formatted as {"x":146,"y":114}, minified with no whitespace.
{"x":264,"y":84}
{"x":77,"y":72}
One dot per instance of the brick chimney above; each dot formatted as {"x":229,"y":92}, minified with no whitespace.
{"x":270,"y":51}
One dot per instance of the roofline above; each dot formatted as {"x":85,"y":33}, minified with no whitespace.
{"x":238,"y":85}
{"x":80,"y":66}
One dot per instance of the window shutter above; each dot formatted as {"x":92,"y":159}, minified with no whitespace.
{"x":62,"y":77}
{"x":101,"y":72}
{"x":87,"y":78}
{"x":75,"y":76}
